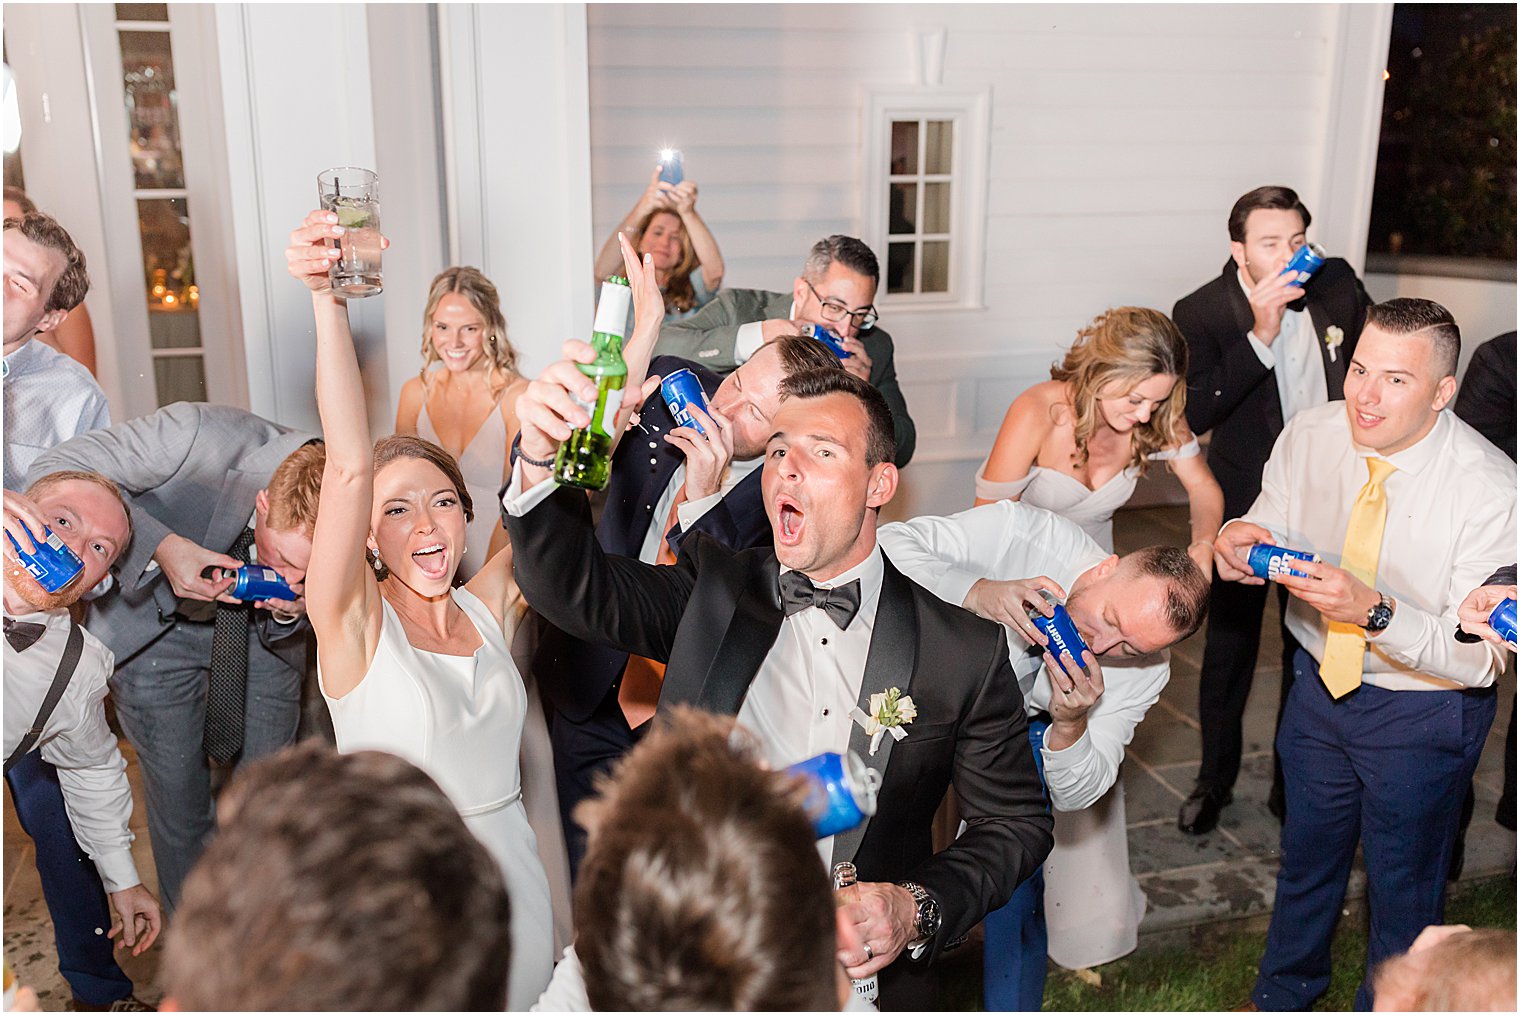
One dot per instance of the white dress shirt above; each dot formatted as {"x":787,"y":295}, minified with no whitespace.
{"x":691,"y":511}
{"x":751,"y":336}
{"x":1294,"y":359}
{"x":49,"y":397}
{"x":1010,"y":539}
{"x":76,"y":740}
{"x":1451,"y":523}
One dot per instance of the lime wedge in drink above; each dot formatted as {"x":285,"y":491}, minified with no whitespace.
{"x":352,"y":218}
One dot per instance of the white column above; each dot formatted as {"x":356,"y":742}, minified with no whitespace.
{"x":517,"y":145}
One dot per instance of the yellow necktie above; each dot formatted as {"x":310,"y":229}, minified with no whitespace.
{"x":1340,"y":665}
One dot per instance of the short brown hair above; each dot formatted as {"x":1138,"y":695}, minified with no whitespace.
{"x":799,"y":353}
{"x":295,"y":488}
{"x":1271,"y":197}
{"x":340,"y":882}
{"x":43,"y":484}
{"x":881,"y":437}
{"x":703,"y":891}
{"x":74,"y":282}
{"x":1187,"y":590}
{"x":1408,"y":315}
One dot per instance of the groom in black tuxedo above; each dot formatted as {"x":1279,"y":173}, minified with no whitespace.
{"x":796,"y":640}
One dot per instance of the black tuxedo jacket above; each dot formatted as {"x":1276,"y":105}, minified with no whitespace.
{"x":578,"y":673}
{"x":1229,"y":391}
{"x":1487,"y":399}
{"x":714,"y":617}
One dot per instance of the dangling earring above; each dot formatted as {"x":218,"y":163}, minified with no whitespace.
{"x":374,"y":562}
{"x":464,"y":551}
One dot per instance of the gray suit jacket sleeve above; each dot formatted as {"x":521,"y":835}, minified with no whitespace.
{"x":708,"y":336}
{"x":139,"y":455}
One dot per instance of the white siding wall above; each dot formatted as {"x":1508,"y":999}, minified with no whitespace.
{"x":1120,"y":137}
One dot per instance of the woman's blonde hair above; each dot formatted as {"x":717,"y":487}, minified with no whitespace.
{"x":501,"y":357}
{"x":1121,"y":348}
{"x":680,"y":294}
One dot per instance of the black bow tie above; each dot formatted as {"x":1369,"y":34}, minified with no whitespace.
{"x":22,"y":634}
{"x":841,"y":604}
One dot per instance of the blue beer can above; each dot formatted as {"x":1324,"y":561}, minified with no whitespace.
{"x":1271,"y":562}
{"x":1306,"y":261}
{"x":1502,"y":619}
{"x":828,"y":338}
{"x":53,"y":565}
{"x":843,"y":791}
{"x":253,"y":583}
{"x":681,"y":389}
{"x":1062,"y":633}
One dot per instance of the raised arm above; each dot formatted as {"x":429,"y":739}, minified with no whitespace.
{"x":684,"y":197}
{"x":342,"y":597}
{"x":656,"y":195}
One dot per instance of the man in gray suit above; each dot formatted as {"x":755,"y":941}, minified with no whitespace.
{"x":198,"y":673}
{"x":834,"y":291}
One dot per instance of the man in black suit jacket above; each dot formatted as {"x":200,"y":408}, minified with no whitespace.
{"x":1487,"y":399}
{"x":1259,"y":350}
{"x":660,"y":475}
{"x":750,"y":633}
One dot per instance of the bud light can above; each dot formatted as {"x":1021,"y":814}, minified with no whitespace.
{"x":1306,"y":261}
{"x":680,"y":390}
{"x":1271,"y":562}
{"x":254,"y":583}
{"x":1062,"y":633}
{"x":52,"y":564}
{"x":1502,"y":620}
{"x":828,"y":338}
{"x":843,"y":791}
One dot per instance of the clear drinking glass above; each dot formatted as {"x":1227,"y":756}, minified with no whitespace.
{"x":354,"y":196}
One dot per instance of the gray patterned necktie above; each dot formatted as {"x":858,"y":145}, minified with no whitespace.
{"x":227,"y":690}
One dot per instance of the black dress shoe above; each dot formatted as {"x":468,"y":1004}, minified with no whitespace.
{"x":1200,"y":811}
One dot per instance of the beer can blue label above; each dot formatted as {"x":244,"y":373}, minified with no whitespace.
{"x":53,"y":565}
{"x":1062,"y":633}
{"x":1271,"y":562}
{"x":255,"y":583}
{"x":828,"y":338}
{"x":682,"y":389}
{"x":1502,"y":620}
{"x":843,"y":791}
{"x":1306,"y":261}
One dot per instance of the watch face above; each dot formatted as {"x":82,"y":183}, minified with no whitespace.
{"x":928,"y":917}
{"x":1379,"y":616}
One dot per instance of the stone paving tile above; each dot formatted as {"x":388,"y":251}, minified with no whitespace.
{"x":1164,"y":739}
{"x":1161,"y":847}
{"x":1147,"y":798}
{"x":1180,"y":898}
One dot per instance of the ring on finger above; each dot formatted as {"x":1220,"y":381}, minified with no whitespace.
{"x":870,"y":952}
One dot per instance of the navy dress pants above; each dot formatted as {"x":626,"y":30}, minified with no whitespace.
{"x":1015,"y":942}
{"x":75,"y":898}
{"x":1386,"y":768}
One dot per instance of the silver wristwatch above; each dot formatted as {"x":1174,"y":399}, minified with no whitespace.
{"x":926,"y":922}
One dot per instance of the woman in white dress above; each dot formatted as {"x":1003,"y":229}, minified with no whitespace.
{"x":464,"y":399}
{"x":1076,"y":445}
{"x":408,"y":663}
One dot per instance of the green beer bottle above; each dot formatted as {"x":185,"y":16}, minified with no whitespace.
{"x":585,"y":460}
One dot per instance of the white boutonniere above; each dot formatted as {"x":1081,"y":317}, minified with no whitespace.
{"x":1334,"y":336}
{"x":891,"y":710}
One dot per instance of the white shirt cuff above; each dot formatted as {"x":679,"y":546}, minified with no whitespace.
{"x":1263,"y":351}
{"x":117,"y":871}
{"x":750,"y":337}
{"x":518,"y":501}
{"x":691,"y":511}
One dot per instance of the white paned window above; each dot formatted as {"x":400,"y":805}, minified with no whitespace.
{"x":926,"y":195}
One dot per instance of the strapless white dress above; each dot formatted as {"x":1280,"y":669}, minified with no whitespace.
{"x":460,"y":719}
{"x":1093,"y":905}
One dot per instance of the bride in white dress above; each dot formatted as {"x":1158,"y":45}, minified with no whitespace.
{"x":408,"y":664}
{"x":1076,"y":445}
